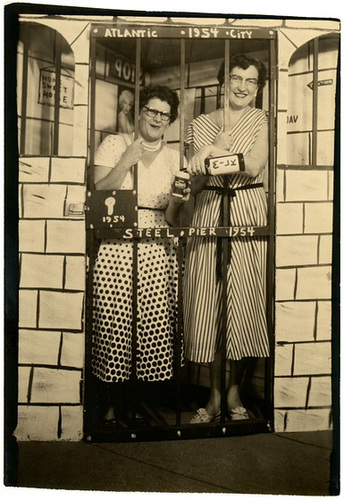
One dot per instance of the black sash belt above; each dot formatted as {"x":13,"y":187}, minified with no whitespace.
{"x":220,"y":190}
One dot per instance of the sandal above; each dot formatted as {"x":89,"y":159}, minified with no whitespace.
{"x":203,"y":417}
{"x":238,"y":413}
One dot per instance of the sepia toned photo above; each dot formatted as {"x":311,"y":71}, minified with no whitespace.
{"x":172,"y":252}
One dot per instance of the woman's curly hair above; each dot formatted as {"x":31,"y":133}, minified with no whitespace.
{"x":244,"y":61}
{"x":164,"y":94}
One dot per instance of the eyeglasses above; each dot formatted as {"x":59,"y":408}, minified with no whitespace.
{"x":152,"y":113}
{"x":238,"y":80}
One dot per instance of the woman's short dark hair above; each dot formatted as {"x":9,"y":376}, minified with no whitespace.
{"x":244,"y":61}
{"x":164,"y":94}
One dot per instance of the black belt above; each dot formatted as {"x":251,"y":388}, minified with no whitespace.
{"x":220,"y":190}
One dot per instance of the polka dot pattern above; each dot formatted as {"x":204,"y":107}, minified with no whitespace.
{"x":157,"y":278}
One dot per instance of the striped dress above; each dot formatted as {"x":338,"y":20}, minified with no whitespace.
{"x":246,"y":298}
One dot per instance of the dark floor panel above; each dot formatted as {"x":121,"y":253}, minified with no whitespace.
{"x":265,"y":463}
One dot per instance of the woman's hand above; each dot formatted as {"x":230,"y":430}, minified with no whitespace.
{"x":224,"y":140}
{"x":196,"y":163}
{"x":132,"y":155}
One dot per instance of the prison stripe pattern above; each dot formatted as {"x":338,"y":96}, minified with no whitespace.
{"x":246,"y":330}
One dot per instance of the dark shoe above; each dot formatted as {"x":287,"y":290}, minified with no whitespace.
{"x":109,"y":422}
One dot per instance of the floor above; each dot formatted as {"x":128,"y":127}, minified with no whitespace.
{"x":288,"y":463}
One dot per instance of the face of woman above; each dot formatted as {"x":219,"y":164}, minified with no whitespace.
{"x":243,"y":85}
{"x":153,"y":128}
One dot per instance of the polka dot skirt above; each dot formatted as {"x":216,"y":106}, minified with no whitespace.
{"x":157,"y":305}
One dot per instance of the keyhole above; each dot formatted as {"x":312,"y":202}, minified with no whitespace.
{"x":110,"y":203}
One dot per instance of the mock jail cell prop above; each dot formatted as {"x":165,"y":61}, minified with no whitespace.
{"x":56,"y":398}
{"x":114,"y":214}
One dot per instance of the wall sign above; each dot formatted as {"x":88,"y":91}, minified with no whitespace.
{"x":47,"y":83}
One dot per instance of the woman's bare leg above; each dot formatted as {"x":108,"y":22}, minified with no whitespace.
{"x":214,"y":404}
{"x":235,"y":377}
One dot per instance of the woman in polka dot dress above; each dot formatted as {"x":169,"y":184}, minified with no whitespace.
{"x":157,"y":263}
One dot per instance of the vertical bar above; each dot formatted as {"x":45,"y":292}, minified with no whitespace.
{"x":24,"y":89}
{"x":225,"y":248}
{"x":182,"y":103}
{"x":92,"y":111}
{"x":89,"y":393}
{"x":315,"y":102}
{"x":270,"y":258}
{"x":58,"y":51}
{"x":180,"y":240}
{"x":135,"y":241}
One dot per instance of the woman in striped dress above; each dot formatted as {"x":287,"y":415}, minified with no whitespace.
{"x":246,"y":329}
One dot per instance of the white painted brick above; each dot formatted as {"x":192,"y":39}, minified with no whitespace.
{"x":306,"y":185}
{"x":20,"y":201}
{"x":308,"y":420}
{"x":298,"y":150}
{"x":43,"y":201}
{"x":279,"y":416}
{"x":282,"y":151}
{"x":39,"y":347}
{"x":72,"y":423}
{"x":330,"y":184}
{"x":318,"y":217}
{"x":320,"y":392}
{"x":81,"y":46}
{"x":207,"y":21}
{"x":314,"y":283}
{"x":33,"y":169}
{"x":31,"y":235}
{"x":312,"y":359}
{"x":60,"y":310}
{"x":315,"y":24}
{"x":81,"y":84}
{"x":68,"y":170}
{"x":41,"y":271}
{"x":285,"y":284}
{"x":301,"y":61}
{"x":259,"y":23}
{"x":73,"y":348}
{"x":80,"y":131}
{"x":55,"y":386}
{"x":289,"y":218}
{"x":283,"y":360}
{"x":65,"y":236}
{"x":76,"y":195}
{"x":280,"y":185}
{"x":325,"y":146}
{"x":324,"y":320}
{"x":23,"y":383}
{"x":290,"y":392}
{"x":325,"y":249}
{"x":296,"y":250}
{"x":75,"y":273}
{"x":28,"y":308}
{"x":295,"y":321}
{"x":37,"y":423}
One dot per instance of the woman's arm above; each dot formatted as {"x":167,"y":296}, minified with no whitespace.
{"x":112,"y":178}
{"x":255,"y":160}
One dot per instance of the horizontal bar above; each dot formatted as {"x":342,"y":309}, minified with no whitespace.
{"x":183,"y":232}
{"x":189,"y":32}
{"x":187,"y":431}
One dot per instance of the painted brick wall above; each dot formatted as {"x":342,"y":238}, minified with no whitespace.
{"x":52,"y":262}
{"x":52,"y":268}
{"x":304,"y":221}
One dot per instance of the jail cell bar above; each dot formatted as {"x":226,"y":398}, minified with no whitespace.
{"x":97,"y":230}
